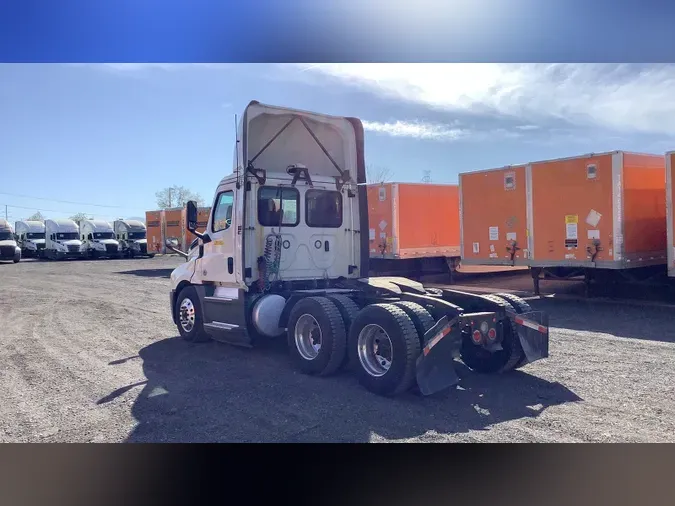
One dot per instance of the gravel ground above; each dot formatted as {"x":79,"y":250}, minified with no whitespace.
{"x":89,"y":353}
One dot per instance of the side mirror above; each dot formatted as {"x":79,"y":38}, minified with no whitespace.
{"x":192,"y":216}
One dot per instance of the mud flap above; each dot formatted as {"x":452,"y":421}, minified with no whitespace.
{"x":533,"y":334}
{"x":435,"y":365}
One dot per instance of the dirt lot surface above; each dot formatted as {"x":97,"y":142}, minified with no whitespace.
{"x":88,"y":352}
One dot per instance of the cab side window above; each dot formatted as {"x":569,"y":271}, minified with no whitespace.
{"x":222,"y":213}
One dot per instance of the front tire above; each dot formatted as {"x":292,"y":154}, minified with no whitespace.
{"x":384,"y":346}
{"x":189,"y":316}
{"x":316,"y":336}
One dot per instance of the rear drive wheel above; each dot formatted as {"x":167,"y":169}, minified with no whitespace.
{"x":519,"y":304}
{"x":384,"y":346}
{"x":481,"y":360}
{"x":316,"y":336}
{"x":189,"y":316}
{"x":348,"y":309}
{"x":420,"y":317}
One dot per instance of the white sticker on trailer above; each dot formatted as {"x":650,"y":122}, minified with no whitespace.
{"x":593,"y":218}
{"x":476,"y":247}
{"x":510,"y":236}
{"x":383,"y":225}
{"x":571,"y":231}
{"x":594,"y":234}
{"x":494,"y":233}
{"x":371,"y":234}
{"x":492,"y":248}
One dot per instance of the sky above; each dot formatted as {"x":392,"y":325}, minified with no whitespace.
{"x":103,"y":138}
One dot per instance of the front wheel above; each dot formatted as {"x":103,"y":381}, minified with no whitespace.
{"x":384,"y":346}
{"x":189,"y":316}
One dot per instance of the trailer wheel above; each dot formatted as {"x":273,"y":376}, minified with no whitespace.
{"x":519,"y":304}
{"x":480,"y":360}
{"x":316,"y":336}
{"x":384,"y":345}
{"x":189,"y":316}
{"x":420,"y":317}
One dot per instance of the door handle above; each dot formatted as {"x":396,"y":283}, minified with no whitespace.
{"x":230,"y":265}
{"x":326,"y":246}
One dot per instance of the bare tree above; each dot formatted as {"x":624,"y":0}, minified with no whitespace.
{"x":176,"y":196}
{"x":77,"y":218}
{"x":377,"y":174}
{"x":36,"y":217}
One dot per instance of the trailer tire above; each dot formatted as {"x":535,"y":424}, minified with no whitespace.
{"x":519,"y":304}
{"x":482,"y":361}
{"x":399,"y":375}
{"x":421,"y":318}
{"x":312,"y":314}
{"x":188,"y":300}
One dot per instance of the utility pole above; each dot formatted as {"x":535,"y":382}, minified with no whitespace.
{"x":170,"y":201}
{"x":6,"y":212}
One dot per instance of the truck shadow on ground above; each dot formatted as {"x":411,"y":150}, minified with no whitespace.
{"x":215,"y":392}
{"x":637,"y":321}
{"x":149,"y":273}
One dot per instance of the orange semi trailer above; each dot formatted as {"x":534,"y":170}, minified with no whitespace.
{"x":584,"y":215}
{"x":413,"y":228}
{"x":154,"y":222}
{"x":203,"y":214}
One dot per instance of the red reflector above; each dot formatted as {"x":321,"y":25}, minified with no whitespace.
{"x":476,"y":336}
{"x":492,"y":333}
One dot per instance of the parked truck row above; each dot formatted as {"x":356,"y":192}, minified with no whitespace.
{"x":60,"y":239}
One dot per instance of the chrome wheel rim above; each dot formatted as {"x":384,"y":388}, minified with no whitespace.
{"x":187,"y":315}
{"x":308,"y":337}
{"x":375,"y":350}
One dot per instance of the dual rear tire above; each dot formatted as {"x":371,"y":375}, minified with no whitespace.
{"x":381,"y":341}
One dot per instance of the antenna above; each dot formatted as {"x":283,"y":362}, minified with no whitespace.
{"x":236,"y":147}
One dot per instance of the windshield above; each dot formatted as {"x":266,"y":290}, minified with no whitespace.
{"x":35,"y":235}
{"x":136,"y":235}
{"x":104,"y":235}
{"x":66,"y":236}
{"x":5,"y":236}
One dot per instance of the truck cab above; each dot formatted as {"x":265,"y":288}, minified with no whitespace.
{"x":9,"y":250}
{"x":30,"y":237}
{"x":132,"y":237}
{"x":285,"y":252}
{"x":62,"y":240}
{"x":98,"y":239}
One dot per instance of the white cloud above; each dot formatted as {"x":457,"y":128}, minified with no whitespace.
{"x":621,"y":97}
{"x":417,"y":130}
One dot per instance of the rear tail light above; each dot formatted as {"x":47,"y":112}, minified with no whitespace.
{"x":492,"y":334}
{"x":476,"y":336}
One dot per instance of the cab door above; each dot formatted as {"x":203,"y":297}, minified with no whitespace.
{"x":217,"y":263}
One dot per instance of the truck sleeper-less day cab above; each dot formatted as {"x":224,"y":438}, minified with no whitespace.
{"x":285,"y":251}
{"x":62,"y":240}
{"x":98,"y":239}
{"x":132,"y":237}
{"x":30,"y":238}
{"x":9,"y":250}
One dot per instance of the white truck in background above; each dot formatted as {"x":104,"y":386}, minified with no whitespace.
{"x":98,"y":238}
{"x":30,"y":236}
{"x":8,"y":247}
{"x":62,"y":240}
{"x":132,"y":237}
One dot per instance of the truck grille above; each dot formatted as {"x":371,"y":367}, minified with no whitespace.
{"x":111,"y":248}
{"x":144,"y":249}
{"x":41,"y":246}
{"x":7,"y":251}
{"x":73,"y":248}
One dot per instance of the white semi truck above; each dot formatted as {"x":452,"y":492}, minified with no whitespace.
{"x":30,"y":237}
{"x":132,"y":236}
{"x":62,"y":240}
{"x":98,"y":239}
{"x":9,"y":250}
{"x":285,"y":252}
